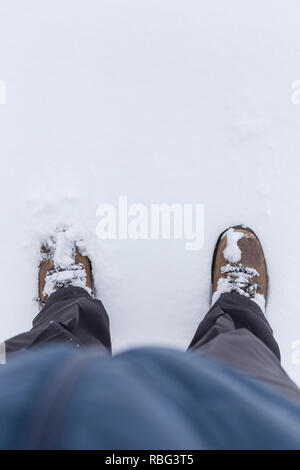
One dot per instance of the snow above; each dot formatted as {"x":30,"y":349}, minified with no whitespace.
{"x":165,"y":102}
{"x":63,"y":243}
{"x":74,"y":277}
{"x":232,"y":251}
{"x":260,"y":300}
{"x":237,"y":278}
{"x":63,"y":250}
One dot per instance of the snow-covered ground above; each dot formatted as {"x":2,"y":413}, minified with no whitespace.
{"x":163,"y":101}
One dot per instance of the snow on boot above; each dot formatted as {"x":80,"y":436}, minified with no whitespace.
{"x":239,"y":266}
{"x":63,"y":264}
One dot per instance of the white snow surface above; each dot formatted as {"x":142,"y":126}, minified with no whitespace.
{"x":164,"y":101}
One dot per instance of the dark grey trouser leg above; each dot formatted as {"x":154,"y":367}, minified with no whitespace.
{"x":236,"y":332}
{"x":70,"y":316}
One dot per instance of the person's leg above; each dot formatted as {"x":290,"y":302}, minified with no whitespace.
{"x":70,"y":316}
{"x":234,"y":311}
{"x":235,"y":331}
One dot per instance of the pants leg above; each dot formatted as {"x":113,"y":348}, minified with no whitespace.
{"x":236,"y":332}
{"x":70,"y":316}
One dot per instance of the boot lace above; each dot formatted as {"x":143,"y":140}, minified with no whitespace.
{"x":240,"y":279}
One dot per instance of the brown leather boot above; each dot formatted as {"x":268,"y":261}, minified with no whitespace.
{"x":239,"y":266}
{"x":62,"y":264}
